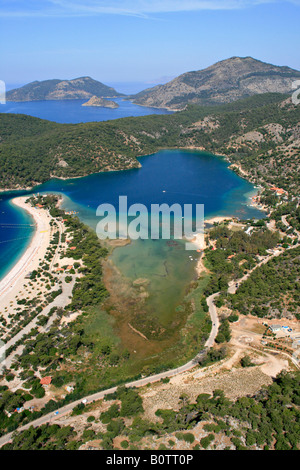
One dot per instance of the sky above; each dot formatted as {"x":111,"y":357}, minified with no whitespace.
{"x":140,"y":42}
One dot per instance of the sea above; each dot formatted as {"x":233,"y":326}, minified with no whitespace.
{"x":169,"y":176}
{"x":72,"y":111}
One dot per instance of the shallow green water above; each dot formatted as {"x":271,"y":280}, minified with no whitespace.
{"x":173,"y":176}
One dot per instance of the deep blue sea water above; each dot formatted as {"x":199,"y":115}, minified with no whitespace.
{"x":14,"y":235}
{"x":171,"y":176}
{"x":72,"y":111}
{"x":16,"y":231}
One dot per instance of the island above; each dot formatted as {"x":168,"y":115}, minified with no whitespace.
{"x":76,"y":89}
{"x":101,"y":102}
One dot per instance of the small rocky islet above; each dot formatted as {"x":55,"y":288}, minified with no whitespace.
{"x":101,"y":102}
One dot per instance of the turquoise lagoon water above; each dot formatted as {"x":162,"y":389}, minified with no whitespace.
{"x":14,"y":234}
{"x":170,"y":176}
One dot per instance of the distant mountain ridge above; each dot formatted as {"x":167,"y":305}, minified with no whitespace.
{"x":78,"y":88}
{"x":226,"y":81}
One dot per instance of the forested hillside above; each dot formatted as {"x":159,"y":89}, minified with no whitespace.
{"x":272,"y":289}
{"x":268,"y":420}
{"x":261,"y":133}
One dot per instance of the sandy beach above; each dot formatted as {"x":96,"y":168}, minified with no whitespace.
{"x":242,"y":172}
{"x":14,"y":282}
{"x":217,"y":219}
{"x":199,"y":240}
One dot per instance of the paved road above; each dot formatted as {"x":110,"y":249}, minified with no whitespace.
{"x":214,"y":319}
{"x":99,"y":395}
{"x":146,"y":380}
{"x":233,"y":285}
{"x":56,"y":256}
{"x":285,"y":222}
{"x":137,"y":383}
{"x":60,"y":301}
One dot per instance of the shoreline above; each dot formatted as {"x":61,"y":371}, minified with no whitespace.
{"x":13,"y":281}
{"x":154,"y":107}
{"x":218,"y":219}
{"x":18,"y":201}
{"x":40,"y":241}
{"x":199,"y":240}
{"x":7,"y":190}
{"x":190,"y":147}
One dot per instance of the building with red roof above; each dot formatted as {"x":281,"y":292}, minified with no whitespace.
{"x":46,"y":380}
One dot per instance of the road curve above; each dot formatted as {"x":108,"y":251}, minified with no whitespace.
{"x":137,"y":383}
{"x":285,"y":222}
{"x":154,"y":378}
{"x":214,"y":319}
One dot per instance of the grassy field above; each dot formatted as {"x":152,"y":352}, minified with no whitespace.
{"x":108,"y":361}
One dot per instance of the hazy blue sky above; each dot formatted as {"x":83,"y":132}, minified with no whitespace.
{"x":147,"y":41}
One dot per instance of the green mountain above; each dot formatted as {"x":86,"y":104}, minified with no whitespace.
{"x":78,"y":88}
{"x":261,"y":133}
{"x":223,"y":82}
